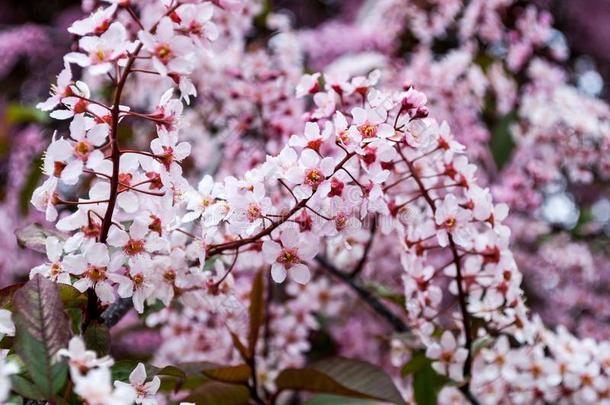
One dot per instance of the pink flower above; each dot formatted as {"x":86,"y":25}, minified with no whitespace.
{"x":171,"y":52}
{"x":288,"y":256}
{"x":449,"y":357}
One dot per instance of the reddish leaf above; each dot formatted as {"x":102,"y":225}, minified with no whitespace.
{"x":42,"y":328}
{"x":340,"y":376}
{"x":257,"y":311}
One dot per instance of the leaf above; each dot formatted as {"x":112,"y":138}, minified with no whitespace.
{"x":97,"y":338}
{"x":417,"y":362}
{"x":42,"y":328}
{"x":257,"y":311}
{"x":326,"y":399}
{"x":387,"y":294}
{"x":25,"y":387}
{"x":7,"y":294}
{"x":71,"y":297}
{"x":34,"y":237}
{"x":341,"y":376}
{"x":18,"y":114}
{"x":502,"y":143}
{"x":239,"y":374}
{"x":427,"y":383}
{"x":214,"y":392}
{"x":481,"y":343}
{"x":239,"y":346}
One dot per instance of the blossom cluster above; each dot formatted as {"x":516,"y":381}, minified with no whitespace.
{"x":321,"y":182}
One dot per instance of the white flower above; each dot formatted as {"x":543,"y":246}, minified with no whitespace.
{"x":450,"y":358}
{"x":311,"y":174}
{"x":58,"y":91}
{"x":96,"y":23}
{"x":145,"y":391}
{"x":7,"y":327}
{"x":94,"y":267}
{"x":43,"y":198}
{"x":203,"y":202}
{"x":103,"y":51}
{"x":140,"y":283}
{"x":95,"y":387}
{"x":80,"y":359}
{"x":196,"y":20}
{"x":171,"y":53}
{"x":308,"y":85}
{"x":289,"y":256}
{"x":54,"y":269}
{"x":371,"y":123}
{"x":311,"y":138}
{"x":325,"y":103}
{"x":451,"y":219}
{"x":7,"y":368}
{"x":138,"y":240}
{"x":60,"y":162}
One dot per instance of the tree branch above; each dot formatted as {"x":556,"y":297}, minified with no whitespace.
{"x":365,"y":295}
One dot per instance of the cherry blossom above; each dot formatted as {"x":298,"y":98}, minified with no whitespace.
{"x":288,"y":257}
{"x":144,"y":391}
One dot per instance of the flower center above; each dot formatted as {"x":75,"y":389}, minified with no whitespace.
{"x":368,"y":130}
{"x":447,"y":357}
{"x":169,"y":276}
{"x":55,"y":269}
{"x":82,"y":149}
{"x":164,"y":53}
{"x":314,"y":177}
{"x":206,"y":201}
{"x":95,"y":273}
{"x":91,"y":231}
{"x":288,"y":257}
{"x":138,"y":279}
{"x":133,"y":247}
{"x":168,"y":157}
{"x":100,"y":55}
{"x":254,"y":212}
{"x":450,"y":223}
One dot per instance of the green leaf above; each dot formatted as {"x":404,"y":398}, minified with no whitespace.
{"x":76,"y":318}
{"x":215,"y":392}
{"x":42,"y":328}
{"x":257,"y":311}
{"x":71,"y":297}
{"x":418,"y":361}
{"x":502,"y":143}
{"x":97,"y":338}
{"x":387,"y":294}
{"x":20,"y":114}
{"x":25,"y":387}
{"x":341,"y":376}
{"x":427,"y":383}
